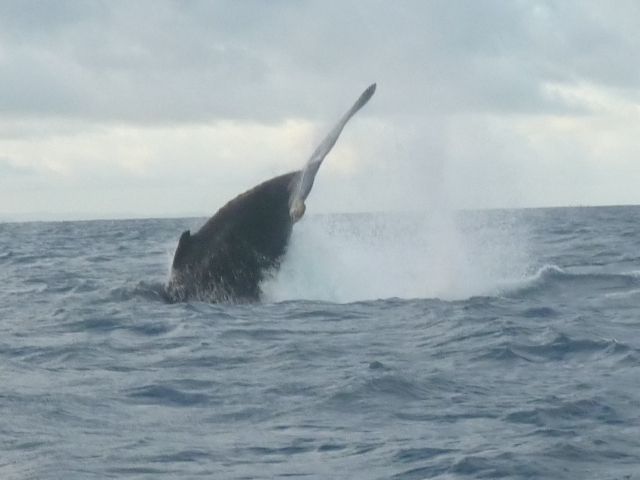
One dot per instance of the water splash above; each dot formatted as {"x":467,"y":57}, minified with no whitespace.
{"x":345,"y":258}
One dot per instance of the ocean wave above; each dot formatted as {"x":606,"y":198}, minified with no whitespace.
{"x":386,"y":388}
{"x":560,"y":347}
{"x":566,"y":412}
{"x":117,"y":321}
{"x":551,"y":278}
{"x":157,"y":394}
{"x":154,"y":291}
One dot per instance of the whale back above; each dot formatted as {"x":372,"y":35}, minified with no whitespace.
{"x":236,"y":248}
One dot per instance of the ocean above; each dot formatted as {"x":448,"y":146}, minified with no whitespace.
{"x":494,"y":344}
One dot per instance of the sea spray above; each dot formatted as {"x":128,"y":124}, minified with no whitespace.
{"x":452,"y":256}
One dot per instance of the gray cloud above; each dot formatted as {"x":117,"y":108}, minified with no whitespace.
{"x":172,"y":106}
{"x":164,"y":61}
{"x":11,"y":169}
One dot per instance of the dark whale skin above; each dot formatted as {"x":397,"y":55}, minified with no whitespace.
{"x":230,"y":255}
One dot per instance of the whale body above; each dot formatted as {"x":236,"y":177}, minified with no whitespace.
{"x":231,"y":254}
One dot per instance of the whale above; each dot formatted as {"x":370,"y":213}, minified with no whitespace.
{"x":228,"y":258}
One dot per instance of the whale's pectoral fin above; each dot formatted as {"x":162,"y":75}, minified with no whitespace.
{"x":183,"y":248}
{"x":304,"y":181}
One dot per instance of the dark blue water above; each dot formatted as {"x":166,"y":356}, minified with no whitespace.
{"x":480,"y":345}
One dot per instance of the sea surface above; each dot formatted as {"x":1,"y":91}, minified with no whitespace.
{"x":497,"y":344}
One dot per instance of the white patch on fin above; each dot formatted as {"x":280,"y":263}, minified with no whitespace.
{"x":304,"y":182}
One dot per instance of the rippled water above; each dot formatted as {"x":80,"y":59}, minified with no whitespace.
{"x":482,"y":345}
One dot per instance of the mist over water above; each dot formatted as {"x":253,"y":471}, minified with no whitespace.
{"x":445,"y":255}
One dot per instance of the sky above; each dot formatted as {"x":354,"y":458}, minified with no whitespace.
{"x":112,"y":109}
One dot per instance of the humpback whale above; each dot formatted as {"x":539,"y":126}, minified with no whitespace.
{"x":227,"y":259}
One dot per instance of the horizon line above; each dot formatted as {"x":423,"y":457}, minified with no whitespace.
{"x":48,"y":217}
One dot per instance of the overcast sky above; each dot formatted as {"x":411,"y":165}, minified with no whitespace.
{"x":160,"y":108}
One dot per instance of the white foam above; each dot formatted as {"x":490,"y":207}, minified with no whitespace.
{"x":351,"y":258}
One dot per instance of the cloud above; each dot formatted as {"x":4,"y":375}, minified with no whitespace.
{"x":194,"y":61}
{"x":493,"y":103}
{"x":10,"y":169}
